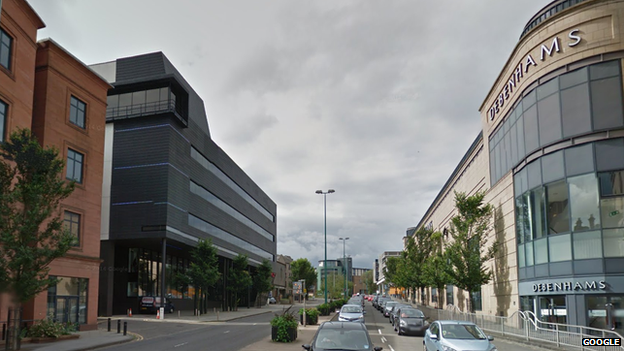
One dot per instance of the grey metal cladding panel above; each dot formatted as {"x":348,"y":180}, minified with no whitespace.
{"x":229,"y":167}
{"x":560,"y":268}
{"x":209,"y":181}
{"x":140,"y":147}
{"x":141,"y":67}
{"x":595,"y":266}
{"x":140,"y":184}
{"x":213,"y":215}
{"x":178,"y":190}
{"x":541,"y":270}
{"x":127,"y":220}
{"x":614,"y":265}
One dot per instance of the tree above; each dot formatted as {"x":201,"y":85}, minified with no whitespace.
{"x":469,"y":252}
{"x":239,"y":279}
{"x":302,"y":269}
{"x":391,"y":270}
{"x":435,"y":268}
{"x":262,"y":280}
{"x":367,"y":277}
{"x":203,"y":272}
{"x":31,"y":230}
{"x":417,"y":250}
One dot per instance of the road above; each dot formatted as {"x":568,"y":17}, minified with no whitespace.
{"x":222,"y":336}
{"x":383,"y":335}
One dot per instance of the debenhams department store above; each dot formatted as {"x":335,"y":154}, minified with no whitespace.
{"x":555,"y":128}
{"x":553,"y":136}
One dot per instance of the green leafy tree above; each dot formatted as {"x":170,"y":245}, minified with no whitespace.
{"x":31,"y":230}
{"x":468,"y":253}
{"x":239,"y":279}
{"x":203,"y":272}
{"x":367,"y":277}
{"x":417,"y":250}
{"x":435,"y":270}
{"x":391,"y":270}
{"x":262,"y":280}
{"x":302,"y":269}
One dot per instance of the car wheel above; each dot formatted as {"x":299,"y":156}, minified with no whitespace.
{"x":171,"y":310}
{"x":424,"y":346}
{"x":399,"y":331}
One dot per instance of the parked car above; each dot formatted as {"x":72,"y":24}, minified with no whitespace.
{"x":341,"y":336}
{"x":272,"y":300}
{"x":150,"y":304}
{"x":411,"y":321}
{"x":394,"y":311}
{"x":456,"y":335}
{"x":351,"y":313}
{"x":382,"y":304}
{"x":388,"y":307}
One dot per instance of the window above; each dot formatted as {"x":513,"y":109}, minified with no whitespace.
{"x":71,"y":221}
{"x":560,"y":248}
{"x":5,"y":49}
{"x":77,"y":112}
{"x":477,"y":301}
{"x":449,"y":295}
{"x":67,"y":300}
{"x":587,"y":245}
{"x":611,"y":183}
{"x":74,"y":165}
{"x":3,"y":113}
{"x":584,"y":202}
{"x":613,"y":242}
{"x":558,"y":204}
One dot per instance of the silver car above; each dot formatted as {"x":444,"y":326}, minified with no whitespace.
{"x":351,"y":313}
{"x":456,"y":336}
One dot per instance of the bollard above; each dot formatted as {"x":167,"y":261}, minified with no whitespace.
{"x":125,"y":328}
{"x":217,"y":315}
{"x":3,"y":331}
{"x":109,"y":324}
{"x":118,"y":326}
{"x":178,"y":313}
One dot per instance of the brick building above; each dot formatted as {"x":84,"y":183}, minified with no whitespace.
{"x":46,"y":89}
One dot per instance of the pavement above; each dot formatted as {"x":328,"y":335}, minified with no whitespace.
{"x":90,"y":340}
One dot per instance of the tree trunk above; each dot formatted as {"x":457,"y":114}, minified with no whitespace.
{"x":441,"y":296}
{"x":470,"y":304}
{"x":15,"y":320}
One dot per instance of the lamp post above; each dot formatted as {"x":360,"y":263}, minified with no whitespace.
{"x":321,"y":192}
{"x":344,"y":264}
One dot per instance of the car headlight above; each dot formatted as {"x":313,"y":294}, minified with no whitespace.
{"x":448,"y":348}
{"x":494,"y":349}
{"x":426,"y":323}
{"x":403,"y":323}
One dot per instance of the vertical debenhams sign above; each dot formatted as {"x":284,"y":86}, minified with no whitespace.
{"x":546,"y":50}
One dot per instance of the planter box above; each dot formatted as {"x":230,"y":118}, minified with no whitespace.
{"x":292,"y":334}
{"x":309,"y":320}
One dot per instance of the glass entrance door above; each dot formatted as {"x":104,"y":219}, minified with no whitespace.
{"x":553,"y":309}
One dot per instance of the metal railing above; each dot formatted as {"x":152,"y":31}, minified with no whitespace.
{"x":145,"y":109}
{"x":526,"y":325}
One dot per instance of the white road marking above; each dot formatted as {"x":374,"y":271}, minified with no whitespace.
{"x":255,"y":324}
{"x":225,"y":332}
{"x":390,"y":346}
{"x":182,"y":344}
{"x":379,"y":330}
{"x":383,"y":339}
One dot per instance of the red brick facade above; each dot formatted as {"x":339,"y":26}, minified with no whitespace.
{"x":38,"y":90}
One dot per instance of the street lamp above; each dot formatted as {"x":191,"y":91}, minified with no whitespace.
{"x":344,"y":263}
{"x":325,"y":215}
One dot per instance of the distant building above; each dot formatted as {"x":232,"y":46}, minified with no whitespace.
{"x":382,"y":284}
{"x":283,"y":277}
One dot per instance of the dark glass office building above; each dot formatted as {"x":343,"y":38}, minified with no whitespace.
{"x":166,"y":186}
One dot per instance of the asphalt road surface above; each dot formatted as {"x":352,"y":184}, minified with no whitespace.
{"x":222,"y":336}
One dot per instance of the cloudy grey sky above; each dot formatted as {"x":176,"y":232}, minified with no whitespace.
{"x":375,"y":99}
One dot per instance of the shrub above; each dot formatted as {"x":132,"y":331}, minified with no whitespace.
{"x":47,"y":328}
{"x":312,"y":314}
{"x":324,"y":309}
{"x":283,"y":322}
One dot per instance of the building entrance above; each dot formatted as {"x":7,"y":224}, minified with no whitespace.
{"x":552,"y":309}
{"x":606,"y":312}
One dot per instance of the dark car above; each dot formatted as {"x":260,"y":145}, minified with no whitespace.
{"x":395,"y":309}
{"x":388,"y":307}
{"x":150,"y":304}
{"x":411,"y":321}
{"x":382,"y":304}
{"x":341,"y":336}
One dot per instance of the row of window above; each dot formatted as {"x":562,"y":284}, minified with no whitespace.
{"x":67,"y":300}
{"x":197,"y":156}
{"x":547,"y":14}
{"x":141,"y":102}
{"x":575,"y":103}
{"x":5,"y":49}
{"x":210,"y":197}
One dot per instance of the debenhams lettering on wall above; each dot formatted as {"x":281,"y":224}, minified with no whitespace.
{"x":570,"y":286}
{"x":525,"y":65}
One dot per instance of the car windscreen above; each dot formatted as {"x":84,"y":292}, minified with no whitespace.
{"x":341,"y":339}
{"x":462,"y":331}
{"x":410,"y":313}
{"x":351,"y":309}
